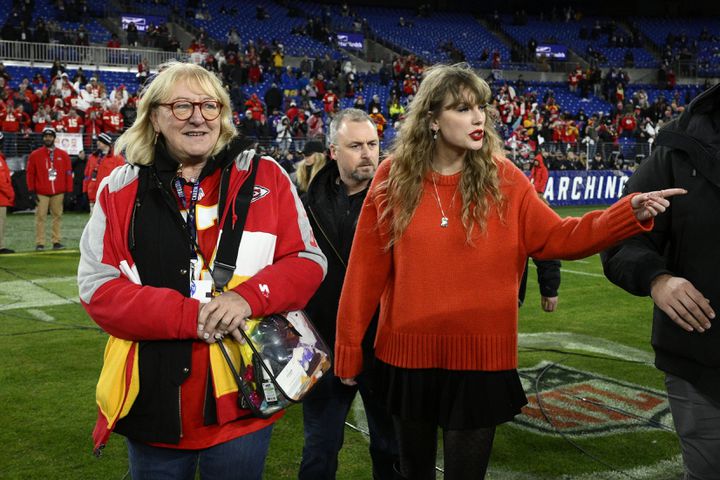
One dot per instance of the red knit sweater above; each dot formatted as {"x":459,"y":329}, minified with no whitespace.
{"x":445,"y":303}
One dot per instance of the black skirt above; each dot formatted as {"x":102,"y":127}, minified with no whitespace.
{"x":453,"y":399}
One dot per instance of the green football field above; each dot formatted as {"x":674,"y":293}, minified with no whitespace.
{"x":597,"y":406}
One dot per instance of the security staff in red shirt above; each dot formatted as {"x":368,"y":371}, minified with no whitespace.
{"x":49,"y":175}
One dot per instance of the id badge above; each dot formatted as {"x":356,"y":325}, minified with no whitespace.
{"x":52,"y":174}
{"x":201,"y":290}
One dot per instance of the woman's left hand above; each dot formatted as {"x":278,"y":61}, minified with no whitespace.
{"x":224,"y":314}
{"x":648,"y":205}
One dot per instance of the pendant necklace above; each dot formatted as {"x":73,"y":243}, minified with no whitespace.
{"x":444,"y":219}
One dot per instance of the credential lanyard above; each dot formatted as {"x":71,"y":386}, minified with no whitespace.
{"x":190,"y":219}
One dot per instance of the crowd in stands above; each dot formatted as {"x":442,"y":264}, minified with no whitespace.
{"x":284,"y":107}
{"x":531,"y":119}
{"x":300,"y":102}
{"x":67,"y":102}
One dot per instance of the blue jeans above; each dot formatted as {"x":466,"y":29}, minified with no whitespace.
{"x":242,"y":458}
{"x":324,"y":412}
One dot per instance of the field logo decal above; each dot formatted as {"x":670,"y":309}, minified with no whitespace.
{"x":584,"y":403}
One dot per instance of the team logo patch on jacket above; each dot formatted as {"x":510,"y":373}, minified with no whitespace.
{"x":259,"y":192}
{"x":576,"y":402}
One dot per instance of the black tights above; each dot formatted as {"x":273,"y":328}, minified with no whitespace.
{"x":467,"y":452}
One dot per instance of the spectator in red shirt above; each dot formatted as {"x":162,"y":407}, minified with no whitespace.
{"x":99,"y":165}
{"x":7,"y":196}
{"x":10,"y":121}
{"x":315,"y":124}
{"x":293,"y":111}
{"x":330,"y":100}
{"x":112,"y":120}
{"x":539,"y":175}
{"x":256,"y":107}
{"x":93,"y":127}
{"x":574,"y":79}
{"x":41,"y":119}
{"x":320,"y":86}
{"x":628,"y":124}
{"x":72,"y":123}
{"x":57,"y":123}
{"x":114,"y":41}
{"x":254,"y":72}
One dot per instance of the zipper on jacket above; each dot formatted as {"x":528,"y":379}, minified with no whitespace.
{"x":180,"y":409}
{"x":326,"y":236}
{"x":132,"y":224}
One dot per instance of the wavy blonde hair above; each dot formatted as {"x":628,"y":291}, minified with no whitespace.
{"x":303,"y":177}
{"x":138,"y":141}
{"x":443,"y":87}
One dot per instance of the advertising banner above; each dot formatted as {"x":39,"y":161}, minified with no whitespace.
{"x":142,"y":22}
{"x":353,"y":41}
{"x":580,"y":187}
{"x":556,"y":52}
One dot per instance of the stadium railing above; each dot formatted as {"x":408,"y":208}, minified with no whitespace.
{"x":17,"y":146}
{"x":99,"y":56}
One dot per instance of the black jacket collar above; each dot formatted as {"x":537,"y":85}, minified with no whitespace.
{"x":166,"y":166}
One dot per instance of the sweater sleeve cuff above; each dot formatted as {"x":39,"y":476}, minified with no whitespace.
{"x":622,"y":222}
{"x":348,"y":361}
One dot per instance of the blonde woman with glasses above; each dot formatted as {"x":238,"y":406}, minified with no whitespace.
{"x":146,"y":276}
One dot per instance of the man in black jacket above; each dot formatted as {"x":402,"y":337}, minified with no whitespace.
{"x":333,"y":201}
{"x":678,"y":265}
{"x":548,"y":275}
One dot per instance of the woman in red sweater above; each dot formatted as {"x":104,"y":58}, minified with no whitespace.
{"x":441,"y":246}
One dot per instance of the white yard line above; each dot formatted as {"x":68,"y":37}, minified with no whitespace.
{"x":26,"y":294}
{"x":576,"y":272}
{"x":40,"y":315}
{"x":45,"y":280}
{"x":587,"y":274}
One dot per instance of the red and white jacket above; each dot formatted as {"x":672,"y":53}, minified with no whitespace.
{"x":279,"y":267}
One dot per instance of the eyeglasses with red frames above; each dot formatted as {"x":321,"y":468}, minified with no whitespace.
{"x":184,"y":109}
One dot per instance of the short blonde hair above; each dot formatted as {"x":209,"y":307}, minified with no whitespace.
{"x":138,"y":141}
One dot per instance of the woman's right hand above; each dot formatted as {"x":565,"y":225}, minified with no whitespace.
{"x":648,"y":205}
{"x":223,"y":315}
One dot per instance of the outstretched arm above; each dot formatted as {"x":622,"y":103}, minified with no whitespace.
{"x":651,"y":204}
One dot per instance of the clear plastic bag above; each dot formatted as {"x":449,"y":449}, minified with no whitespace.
{"x":288,"y":358}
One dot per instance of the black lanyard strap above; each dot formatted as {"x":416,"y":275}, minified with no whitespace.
{"x":226,"y":255}
{"x":177,"y":217}
{"x":190,"y":225}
